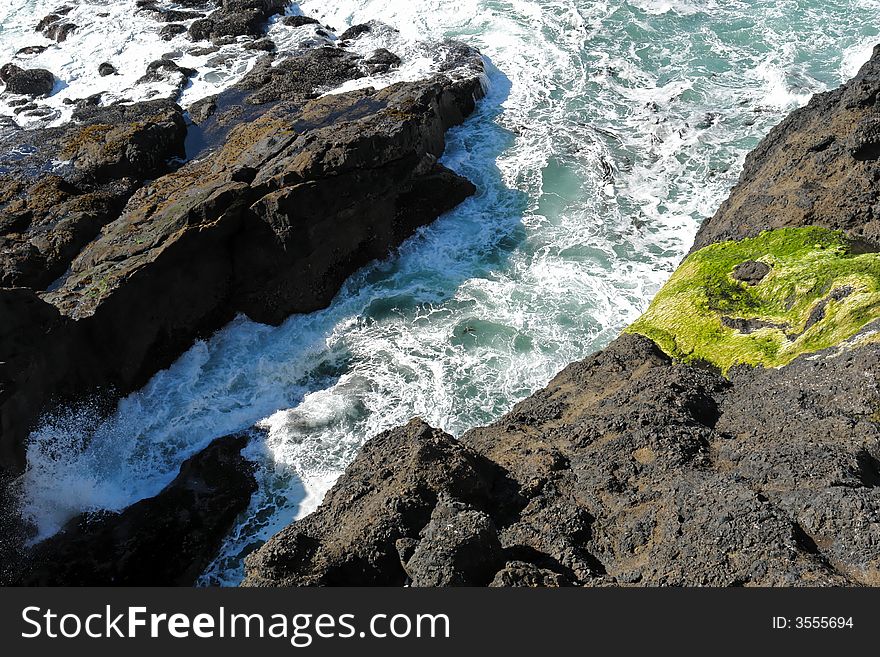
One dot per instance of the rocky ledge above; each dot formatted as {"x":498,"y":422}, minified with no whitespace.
{"x":730,"y":437}
{"x":165,"y":540}
{"x":136,"y":229}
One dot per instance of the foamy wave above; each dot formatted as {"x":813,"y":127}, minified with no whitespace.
{"x":608,"y":134}
{"x":117,"y":33}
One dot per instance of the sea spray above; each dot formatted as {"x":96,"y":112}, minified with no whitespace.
{"x":609,"y":131}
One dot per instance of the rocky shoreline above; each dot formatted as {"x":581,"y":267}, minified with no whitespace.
{"x":729,"y":437}
{"x":636,"y":468}
{"x":137,"y":229}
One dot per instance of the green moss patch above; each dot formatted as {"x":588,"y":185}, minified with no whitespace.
{"x":819,"y":292}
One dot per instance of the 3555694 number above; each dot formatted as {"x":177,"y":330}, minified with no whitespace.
{"x":822,"y":622}
{"x":813,"y":622}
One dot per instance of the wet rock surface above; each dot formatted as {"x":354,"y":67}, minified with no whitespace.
{"x":55,"y":26}
{"x":632,"y":469}
{"x":235,"y":18}
{"x":28,"y":82}
{"x":626,"y":469}
{"x":129,"y":233}
{"x":166,"y":540}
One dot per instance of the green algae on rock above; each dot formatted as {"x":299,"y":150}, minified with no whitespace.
{"x":819,"y":292}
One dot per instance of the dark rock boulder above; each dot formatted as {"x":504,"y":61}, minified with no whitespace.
{"x":300,"y":77}
{"x":382,"y":61}
{"x":29,"y":82}
{"x":201,"y":110}
{"x":458,"y":547}
{"x":386,"y":496}
{"x":355,"y":31}
{"x":266,"y":45}
{"x":864,"y":142}
{"x":299,"y":21}
{"x":751,"y":272}
{"x":59,"y":31}
{"x":167,"y":70}
{"x":170,"y":31}
{"x":106,"y":69}
{"x":54,"y":26}
{"x":237,"y":18}
{"x":30,"y":50}
{"x":9,"y":70}
{"x":528,"y":575}
{"x":166,"y":540}
{"x":173,"y":15}
{"x":122,"y":141}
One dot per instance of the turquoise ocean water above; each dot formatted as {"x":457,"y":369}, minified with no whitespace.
{"x":610,"y":130}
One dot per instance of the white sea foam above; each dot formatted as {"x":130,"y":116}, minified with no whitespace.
{"x":855,"y":56}
{"x":115,"y":32}
{"x":610,"y":131}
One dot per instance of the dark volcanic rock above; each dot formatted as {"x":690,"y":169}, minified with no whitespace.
{"x":266,"y":45}
{"x":59,"y":31}
{"x":382,"y":61}
{"x":237,"y":18}
{"x":864,"y":142}
{"x":631,"y":469}
{"x":124,"y":140}
{"x":30,"y":50}
{"x":168,"y":32}
{"x":201,"y":110}
{"x":29,"y":82}
{"x":54,"y":26}
{"x":386,"y":496}
{"x":300,"y":77}
{"x":525,"y":574}
{"x":46,"y":226}
{"x":9,"y":70}
{"x":173,"y":15}
{"x":288,"y":197}
{"x":751,"y":272}
{"x":299,"y":21}
{"x":106,"y":69}
{"x":458,"y":547}
{"x":166,"y":540}
{"x":818,"y":167}
{"x":169,"y":71}
{"x":355,"y":31}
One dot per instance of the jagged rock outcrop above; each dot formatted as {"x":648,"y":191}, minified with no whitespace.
{"x":166,"y":540}
{"x":126,"y":252}
{"x":28,"y":82}
{"x":818,"y":167}
{"x":635,"y":468}
{"x":627,"y":469}
{"x":47,"y":218}
{"x":384,"y":500}
{"x":235,"y":18}
{"x":55,"y":26}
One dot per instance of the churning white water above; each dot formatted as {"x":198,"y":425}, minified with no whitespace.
{"x":611,"y":129}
